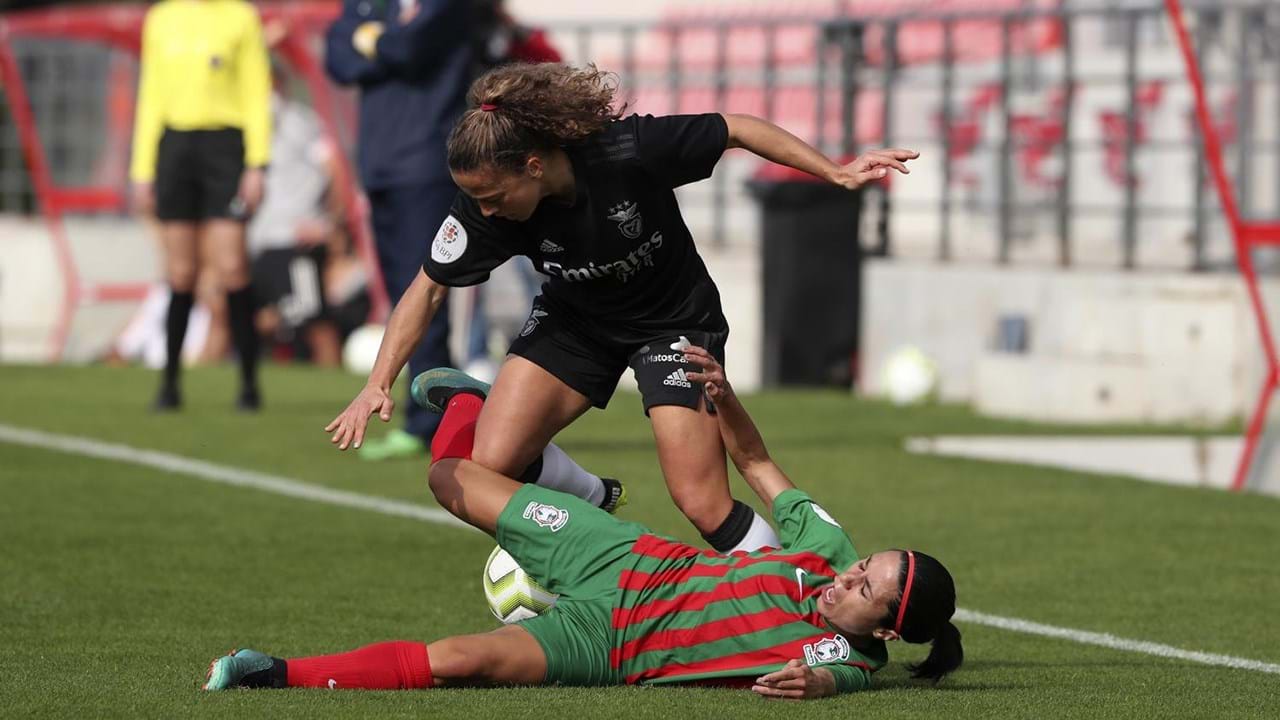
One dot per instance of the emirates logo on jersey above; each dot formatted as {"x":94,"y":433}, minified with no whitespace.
{"x":623,"y":270}
{"x":627,"y":215}
{"x":827,"y":650}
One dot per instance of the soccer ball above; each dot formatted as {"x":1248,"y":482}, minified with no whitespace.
{"x":361,"y":349}
{"x":909,"y":376}
{"x":513,"y":595}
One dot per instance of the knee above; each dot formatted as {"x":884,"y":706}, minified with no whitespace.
{"x":460,"y":658}
{"x":443,"y":481}
{"x":182,"y":274}
{"x":705,"y":507}
{"x":501,"y":457}
{"x":233,"y":273}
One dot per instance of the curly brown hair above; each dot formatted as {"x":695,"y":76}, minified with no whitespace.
{"x":523,"y":107}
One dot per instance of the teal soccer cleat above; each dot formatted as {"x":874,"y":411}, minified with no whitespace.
{"x":433,"y":388}
{"x":242,"y":668}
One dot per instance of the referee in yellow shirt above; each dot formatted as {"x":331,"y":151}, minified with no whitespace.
{"x":201,"y":139}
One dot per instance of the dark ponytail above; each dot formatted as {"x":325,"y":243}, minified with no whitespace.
{"x":927,"y":617}
{"x":522,"y":107}
{"x":945,"y":655}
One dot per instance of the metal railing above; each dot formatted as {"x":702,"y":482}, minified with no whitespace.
{"x":1052,"y":132}
{"x":1068,"y":125}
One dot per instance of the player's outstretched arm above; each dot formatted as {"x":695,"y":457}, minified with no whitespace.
{"x":741,"y":438}
{"x":796,"y":681}
{"x":775,"y":144}
{"x":408,"y":322}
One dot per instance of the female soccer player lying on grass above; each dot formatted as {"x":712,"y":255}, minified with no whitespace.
{"x":550,"y":169}
{"x":808,"y":620}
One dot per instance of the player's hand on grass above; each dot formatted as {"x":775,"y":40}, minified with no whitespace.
{"x":796,"y":681}
{"x":712,"y":374}
{"x":873,"y":165}
{"x":348,"y":428}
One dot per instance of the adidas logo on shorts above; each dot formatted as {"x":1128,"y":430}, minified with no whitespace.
{"x":678,"y":379}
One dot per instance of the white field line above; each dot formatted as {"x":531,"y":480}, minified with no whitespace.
{"x":305,"y":491}
{"x":224,"y":474}
{"x":1111,"y":641}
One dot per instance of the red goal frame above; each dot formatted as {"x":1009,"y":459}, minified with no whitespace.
{"x":1246,"y":235}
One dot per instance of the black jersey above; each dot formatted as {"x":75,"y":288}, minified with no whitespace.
{"x":620,"y":257}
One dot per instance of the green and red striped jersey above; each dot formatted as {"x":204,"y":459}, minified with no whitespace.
{"x":690,"y":615}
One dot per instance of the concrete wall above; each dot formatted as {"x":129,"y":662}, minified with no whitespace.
{"x":120,"y":250}
{"x":1102,"y":345}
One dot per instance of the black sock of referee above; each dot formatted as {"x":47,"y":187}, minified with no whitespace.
{"x":175,"y":328}
{"x":240,"y":313}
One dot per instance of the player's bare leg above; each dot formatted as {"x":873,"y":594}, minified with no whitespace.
{"x":506,"y":656}
{"x":512,"y":430}
{"x":473,"y":493}
{"x":692,"y":458}
{"x":527,"y":407}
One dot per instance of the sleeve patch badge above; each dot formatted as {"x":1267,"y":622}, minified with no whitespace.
{"x":450,"y":242}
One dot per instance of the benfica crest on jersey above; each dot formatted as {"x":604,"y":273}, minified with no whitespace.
{"x":547,"y":516}
{"x":627,"y":215}
{"x":827,"y":650}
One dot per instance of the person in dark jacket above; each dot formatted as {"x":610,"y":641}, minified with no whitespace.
{"x":412,"y":62}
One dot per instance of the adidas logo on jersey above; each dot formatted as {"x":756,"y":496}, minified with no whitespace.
{"x":549,"y":247}
{"x":678,"y":379}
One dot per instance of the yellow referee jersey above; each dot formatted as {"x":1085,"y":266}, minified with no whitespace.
{"x":204,"y":67}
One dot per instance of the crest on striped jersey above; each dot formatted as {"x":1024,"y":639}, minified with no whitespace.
{"x":827,"y":650}
{"x":547,"y":516}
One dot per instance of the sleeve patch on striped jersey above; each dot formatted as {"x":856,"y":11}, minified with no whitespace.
{"x":824,"y":514}
{"x":827,"y":650}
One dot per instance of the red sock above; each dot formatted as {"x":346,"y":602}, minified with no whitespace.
{"x":394,"y":665}
{"x":457,"y":431}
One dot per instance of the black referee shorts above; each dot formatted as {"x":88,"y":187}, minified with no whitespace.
{"x":589,"y":361}
{"x":198,"y":175}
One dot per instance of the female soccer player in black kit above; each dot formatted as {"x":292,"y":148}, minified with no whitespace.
{"x":548,"y":169}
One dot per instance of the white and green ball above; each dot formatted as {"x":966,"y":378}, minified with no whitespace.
{"x":513,"y":595}
{"x":909,"y":376}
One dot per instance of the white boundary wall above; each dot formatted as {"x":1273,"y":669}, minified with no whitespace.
{"x":1103,"y":345}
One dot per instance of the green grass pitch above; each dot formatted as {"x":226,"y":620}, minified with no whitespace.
{"x":118,"y":582}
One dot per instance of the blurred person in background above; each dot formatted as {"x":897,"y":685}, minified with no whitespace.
{"x":346,"y":283}
{"x":202,"y":138}
{"x":143,"y":339}
{"x":289,"y":235}
{"x":500,"y":39}
{"x":412,"y":61}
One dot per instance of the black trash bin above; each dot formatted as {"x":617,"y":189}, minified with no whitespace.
{"x":812,"y":277}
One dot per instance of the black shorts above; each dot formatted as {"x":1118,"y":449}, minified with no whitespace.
{"x":586,"y":360}
{"x":292,"y":279}
{"x":198,"y":175}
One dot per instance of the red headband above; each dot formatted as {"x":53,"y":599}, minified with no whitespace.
{"x":488,"y":107}
{"x":906,"y":591}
